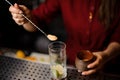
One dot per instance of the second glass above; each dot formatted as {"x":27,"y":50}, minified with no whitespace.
{"x":57,"y":52}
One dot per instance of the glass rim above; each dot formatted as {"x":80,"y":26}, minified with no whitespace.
{"x":57,"y":42}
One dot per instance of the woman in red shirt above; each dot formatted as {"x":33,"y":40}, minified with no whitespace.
{"x":90,"y":25}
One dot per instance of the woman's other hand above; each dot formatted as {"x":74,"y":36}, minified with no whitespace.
{"x":96,"y":65}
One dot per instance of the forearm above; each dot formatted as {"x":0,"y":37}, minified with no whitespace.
{"x":112,"y":50}
{"x":31,"y":24}
{"x":29,"y":27}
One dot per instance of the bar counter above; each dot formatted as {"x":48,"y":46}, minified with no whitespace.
{"x":18,"y":69}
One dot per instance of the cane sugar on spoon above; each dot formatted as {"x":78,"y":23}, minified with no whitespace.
{"x":52,"y":37}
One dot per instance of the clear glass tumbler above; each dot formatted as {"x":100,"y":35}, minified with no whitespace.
{"x":57,"y":52}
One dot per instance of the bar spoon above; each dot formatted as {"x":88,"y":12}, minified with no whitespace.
{"x":49,"y":36}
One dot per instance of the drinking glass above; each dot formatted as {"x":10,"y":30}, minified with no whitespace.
{"x":57,"y":52}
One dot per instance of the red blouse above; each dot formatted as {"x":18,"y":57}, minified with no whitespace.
{"x":84,"y":30}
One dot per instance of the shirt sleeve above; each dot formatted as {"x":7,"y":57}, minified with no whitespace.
{"x":46,"y":10}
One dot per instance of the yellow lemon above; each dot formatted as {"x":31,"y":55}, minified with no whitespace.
{"x":20,"y":54}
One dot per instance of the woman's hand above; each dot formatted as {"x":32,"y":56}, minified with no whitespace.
{"x":102,"y":57}
{"x":16,"y":11}
{"x":96,"y":65}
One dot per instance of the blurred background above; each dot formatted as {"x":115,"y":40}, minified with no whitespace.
{"x":14,"y":36}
